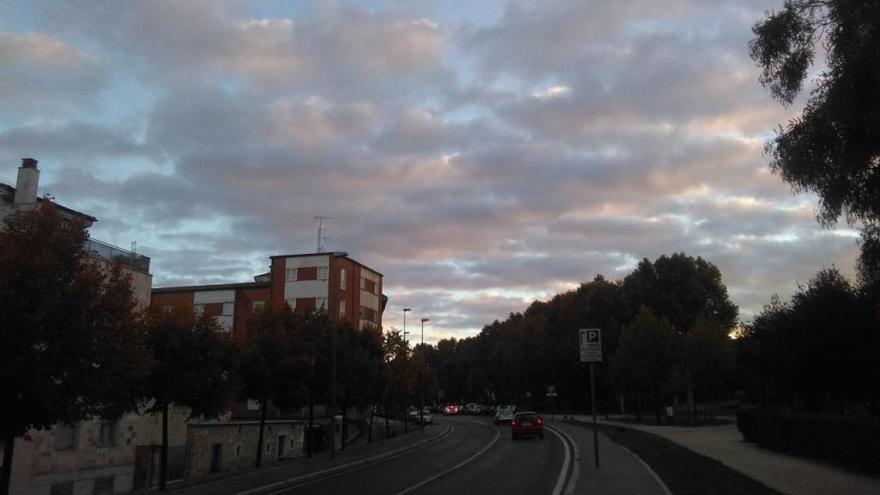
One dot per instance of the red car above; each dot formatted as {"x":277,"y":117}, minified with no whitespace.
{"x":451,"y":409}
{"x":526,"y":423}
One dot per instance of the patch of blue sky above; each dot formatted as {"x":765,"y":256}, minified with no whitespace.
{"x":524,"y":295}
{"x":627,"y":263}
{"x":269,"y":9}
{"x":126,"y":99}
{"x":18,"y":16}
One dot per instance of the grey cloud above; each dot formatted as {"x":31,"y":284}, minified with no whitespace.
{"x":71,"y":141}
{"x":469,"y":193}
{"x":41,"y":75}
{"x":339,"y":50}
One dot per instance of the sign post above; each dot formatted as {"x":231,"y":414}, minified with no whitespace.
{"x":551,"y":394}
{"x":590,"y":344}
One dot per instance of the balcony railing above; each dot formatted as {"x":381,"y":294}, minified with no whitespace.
{"x":114,"y":254}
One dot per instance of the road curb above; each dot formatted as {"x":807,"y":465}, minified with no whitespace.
{"x":325,"y":473}
{"x":576,"y":457}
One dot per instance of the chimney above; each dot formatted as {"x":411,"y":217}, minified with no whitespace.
{"x":26,"y":185}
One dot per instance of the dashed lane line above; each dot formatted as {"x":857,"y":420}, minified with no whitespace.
{"x":457,"y":466}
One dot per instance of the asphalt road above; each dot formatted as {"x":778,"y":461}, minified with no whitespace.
{"x":476,"y":457}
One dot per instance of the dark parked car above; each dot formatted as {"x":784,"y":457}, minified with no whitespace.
{"x":526,"y":423}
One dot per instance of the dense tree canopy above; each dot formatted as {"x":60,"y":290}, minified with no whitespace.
{"x":273,"y":363}
{"x":820,"y":349}
{"x":833,"y":148}
{"x":194,"y":365}
{"x":70,"y":339}
{"x":681,"y":289}
{"x":672,"y":314}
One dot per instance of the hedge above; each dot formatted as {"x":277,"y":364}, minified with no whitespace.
{"x":849,"y":441}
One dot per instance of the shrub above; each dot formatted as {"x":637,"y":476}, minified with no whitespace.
{"x":850,"y":441}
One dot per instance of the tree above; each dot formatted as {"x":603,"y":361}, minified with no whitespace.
{"x":397,"y":372}
{"x":822,"y":345}
{"x":833,"y":148}
{"x":194,"y":366}
{"x":359,"y":369}
{"x":681,"y":289}
{"x":646,"y":355}
{"x":273,"y":363}
{"x":869,"y":261}
{"x":70,"y":338}
{"x":764,"y":353}
{"x":706,"y":357}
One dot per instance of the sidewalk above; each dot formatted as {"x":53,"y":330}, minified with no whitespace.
{"x":256,"y":481}
{"x":782,"y":472}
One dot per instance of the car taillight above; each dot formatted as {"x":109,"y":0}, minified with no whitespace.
{"x":514,"y":423}
{"x":539,"y":421}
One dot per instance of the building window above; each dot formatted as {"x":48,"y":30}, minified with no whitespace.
{"x":322,"y":273}
{"x":252,"y":405}
{"x":167,"y":309}
{"x":238,"y":450}
{"x":198,"y":309}
{"x":342,"y":279}
{"x":290,"y":275}
{"x":259,"y":305}
{"x":106,"y":433}
{"x":65,"y":488}
{"x":268,"y":447}
{"x":321,"y":303}
{"x":66,"y":437}
{"x":291,"y":302}
{"x":103,"y":486}
{"x":363,"y":312}
{"x":228,"y":308}
{"x":342,"y":308}
{"x":363,"y":283}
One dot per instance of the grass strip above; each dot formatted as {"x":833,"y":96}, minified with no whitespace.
{"x":684,"y":471}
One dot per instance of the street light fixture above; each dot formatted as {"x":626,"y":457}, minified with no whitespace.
{"x":405,"y":311}
{"x":424,"y":370}
{"x":406,"y":343}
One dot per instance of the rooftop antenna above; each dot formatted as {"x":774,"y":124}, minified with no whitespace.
{"x":321,"y":230}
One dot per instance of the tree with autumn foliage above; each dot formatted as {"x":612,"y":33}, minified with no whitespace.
{"x":194,"y":365}
{"x":70,"y":336}
{"x":274,"y":363}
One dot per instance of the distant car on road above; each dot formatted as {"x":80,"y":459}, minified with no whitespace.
{"x":472,"y":408}
{"x":451,"y":409}
{"x":526,"y":423}
{"x":504,"y":414}
{"x":427,"y":417}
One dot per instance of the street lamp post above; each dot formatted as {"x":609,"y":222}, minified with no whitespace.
{"x":406,"y":342}
{"x":332,"y":391}
{"x":424,"y":369}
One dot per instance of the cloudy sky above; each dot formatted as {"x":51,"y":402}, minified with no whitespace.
{"x":479,"y":154}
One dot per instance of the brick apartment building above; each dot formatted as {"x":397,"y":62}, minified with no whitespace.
{"x":334,"y":282}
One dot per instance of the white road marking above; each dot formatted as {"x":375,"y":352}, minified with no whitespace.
{"x":333,"y":472}
{"x":453,"y":468}
{"x":560,"y":482}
